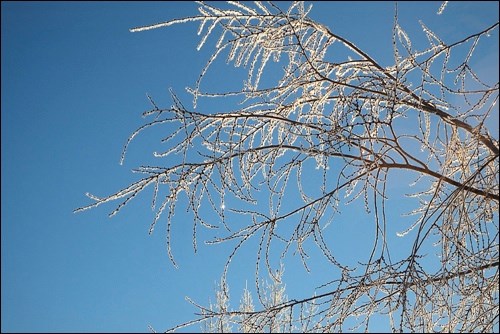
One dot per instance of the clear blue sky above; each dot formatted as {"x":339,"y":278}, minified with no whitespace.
{"x":74,"y":84}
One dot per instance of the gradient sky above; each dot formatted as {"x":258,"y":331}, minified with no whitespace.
{"x":74,"y":84}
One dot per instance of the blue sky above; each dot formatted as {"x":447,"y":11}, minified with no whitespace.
{"x":74,"y":84}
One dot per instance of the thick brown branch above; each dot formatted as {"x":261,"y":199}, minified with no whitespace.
{"x":420,"y":103}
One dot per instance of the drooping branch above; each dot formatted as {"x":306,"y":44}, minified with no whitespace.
{"x":313,"y":125}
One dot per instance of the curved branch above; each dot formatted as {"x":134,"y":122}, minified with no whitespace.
{"x":421,"y":104}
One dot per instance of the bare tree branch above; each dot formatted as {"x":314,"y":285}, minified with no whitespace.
{"x":316,"y":129}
